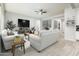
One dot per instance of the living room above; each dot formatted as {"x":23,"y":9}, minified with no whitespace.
{"x":45,"y":28}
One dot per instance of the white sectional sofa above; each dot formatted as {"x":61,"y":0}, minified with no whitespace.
{"x":7,"y":40}
{"x":44,"y":39}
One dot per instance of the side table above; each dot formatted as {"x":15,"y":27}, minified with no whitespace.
{"x":21,"y":43}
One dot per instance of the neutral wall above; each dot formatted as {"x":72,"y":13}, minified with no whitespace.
{"x":38,"y":25}
{"x":2,"y":17}
{"x":14,"y":17}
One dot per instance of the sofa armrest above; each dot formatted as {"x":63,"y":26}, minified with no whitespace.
{"x":8,"y":38}
{"x":35,"y":37}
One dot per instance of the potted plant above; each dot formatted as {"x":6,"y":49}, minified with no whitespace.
{"x":10,"y":25}
{"x":33,"y":30}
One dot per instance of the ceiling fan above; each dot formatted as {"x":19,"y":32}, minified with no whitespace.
{"x":41,"y":11}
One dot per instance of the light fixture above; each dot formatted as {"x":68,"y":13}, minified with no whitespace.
{"x":41,"y":12}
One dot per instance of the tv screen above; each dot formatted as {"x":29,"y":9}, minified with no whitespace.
{"x":23,"y":23}
{"x":77,"y":27}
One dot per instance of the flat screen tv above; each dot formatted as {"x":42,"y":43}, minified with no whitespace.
{"x":77,"y":27}
{"x":23,"y":23}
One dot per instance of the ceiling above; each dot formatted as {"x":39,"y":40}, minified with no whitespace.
{"x":29,"y":8}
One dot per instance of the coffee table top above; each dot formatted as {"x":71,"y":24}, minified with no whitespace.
{"x":18,"y":40}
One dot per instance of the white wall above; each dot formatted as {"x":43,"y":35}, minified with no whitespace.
{"x":38,"y":25}
{"x":14,"y":17}
{"x":2,"y":17}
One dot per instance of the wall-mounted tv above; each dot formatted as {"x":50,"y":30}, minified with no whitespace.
{"x":77,"y":27}
{"x":23,"y":23}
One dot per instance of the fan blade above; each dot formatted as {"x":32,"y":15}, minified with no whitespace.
{"x":41,"y":10}
{"x":35,"y":11}
{"x":45,"y":12}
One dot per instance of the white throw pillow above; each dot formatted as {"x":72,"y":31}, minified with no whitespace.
{"x":4,"y":32}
